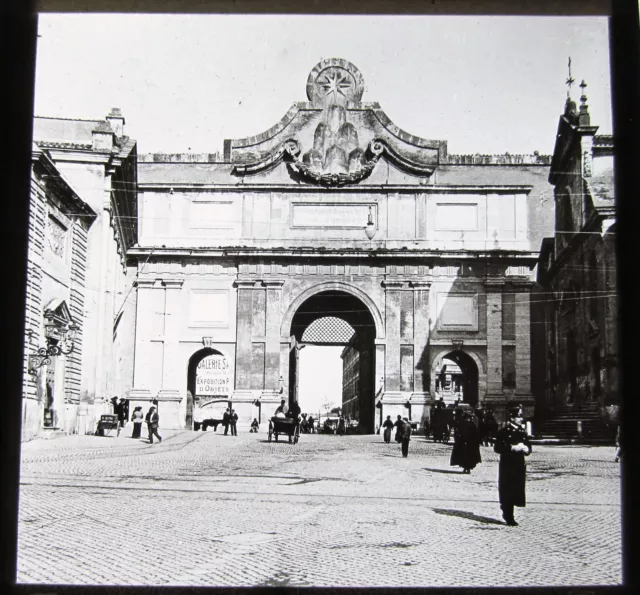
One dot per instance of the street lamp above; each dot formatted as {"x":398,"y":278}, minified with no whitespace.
{"x":60,"y":341}
{"x":370,"y":229}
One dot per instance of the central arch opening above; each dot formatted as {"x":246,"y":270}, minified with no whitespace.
{"x":457,"y":378}
{"x":331,"y":367}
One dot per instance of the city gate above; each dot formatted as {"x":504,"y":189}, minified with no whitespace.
{"x":335,"y":213}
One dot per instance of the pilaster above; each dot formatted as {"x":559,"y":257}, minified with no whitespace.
{"x":243,"y":339}
{"x":392,"y":328}
{"x":494,"y":288}
{"x":523,"y":342}
{"x":421,"y":292}
{"x":145,"y":316}
{"x":171,"y":377}
{"x":272,"y":347}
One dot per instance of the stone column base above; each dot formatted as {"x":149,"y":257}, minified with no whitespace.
{"x":169,"y":409}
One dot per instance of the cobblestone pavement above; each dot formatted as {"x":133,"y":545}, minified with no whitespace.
{"x":207,"y":509}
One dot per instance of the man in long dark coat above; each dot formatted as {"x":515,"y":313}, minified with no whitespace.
{"x":226,"y":421}
{"x":512,"y":444}
{"x":466,"y":445}
{"x":398,"y":425}
{"x":405,"y":436}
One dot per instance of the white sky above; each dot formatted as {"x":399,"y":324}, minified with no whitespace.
{"x":185,"y":83}
{"x":320,"y":378}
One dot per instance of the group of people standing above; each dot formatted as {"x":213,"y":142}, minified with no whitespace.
{"x":152,"y":419}
{"x":230,"y":421}
{"x":511,"y":442}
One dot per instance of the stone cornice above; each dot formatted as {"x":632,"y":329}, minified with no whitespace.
{"x":421,"y":284}
{"x":81,"y":156}
{"x":504,"y":257}
{"x":494,"y":283}
{"x":247,"y":284}
{"x":422,"y":188}
{"x":388,"y":284}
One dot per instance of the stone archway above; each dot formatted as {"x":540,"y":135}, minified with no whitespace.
{"x":322,"y":309}
{"x":472,"y":372}
{"x":210,"y":389}
{"x":295,"y":304}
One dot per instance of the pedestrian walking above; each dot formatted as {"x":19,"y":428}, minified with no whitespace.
{"x":153,"y":421}
{"x":512,"y":444}
{"x":466,"y":445}
{"x":388,"y":426}
{"x":310,"y":424}
{"x":398,"y":426}
{"x":122,"y":411}
{"x":482,"y":426}
{"x":491,"y":427}
{"x":226,"y":420}
{"x":405,"y":436}
{"x":341,"y":425}
{"x":137,"y":417}
{"x":233,"y":421}
{"x":619,"y":450}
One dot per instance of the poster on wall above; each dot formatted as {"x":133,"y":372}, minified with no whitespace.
{"x":213,"y":376}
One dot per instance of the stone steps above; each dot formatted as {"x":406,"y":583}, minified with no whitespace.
{"x":564,"y":426}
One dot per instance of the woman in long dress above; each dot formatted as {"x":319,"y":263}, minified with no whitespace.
{"x":137,"y":418}
{"x":466,"y":444}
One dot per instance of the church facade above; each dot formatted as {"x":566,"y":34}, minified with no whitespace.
{"x":334,"y":227}
{"x":575,"y":298}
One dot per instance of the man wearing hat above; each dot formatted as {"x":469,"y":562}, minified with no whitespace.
{"x":153,"y":420}
{"x":233,"y":422}
{"x":405,"y":436}
{"x":512,"y":444}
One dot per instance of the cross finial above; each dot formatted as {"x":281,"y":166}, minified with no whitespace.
{"x":570,"y":80}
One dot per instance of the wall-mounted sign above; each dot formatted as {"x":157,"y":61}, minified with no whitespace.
{"x":213,"y":376}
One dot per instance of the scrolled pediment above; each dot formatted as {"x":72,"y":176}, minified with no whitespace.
{"x":335,"y":139}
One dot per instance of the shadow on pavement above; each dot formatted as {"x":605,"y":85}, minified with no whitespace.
{"x":454,"y":471}
{"x":467,"y":515}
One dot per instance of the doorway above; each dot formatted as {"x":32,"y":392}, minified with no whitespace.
{"x":210,"y":383}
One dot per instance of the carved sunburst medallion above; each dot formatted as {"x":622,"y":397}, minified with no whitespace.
{"x":336,"y":81}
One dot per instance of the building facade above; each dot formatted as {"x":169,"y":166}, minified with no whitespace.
{"x":335,"y":212}
{"x":59,"y":224}
{"x":350,"y":381}
{"x":83,"y":220}
{"x":576,"y":304}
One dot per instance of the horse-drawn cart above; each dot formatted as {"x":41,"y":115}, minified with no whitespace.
{"x":284,"y":426}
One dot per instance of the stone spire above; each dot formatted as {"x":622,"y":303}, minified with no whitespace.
{"x":585,"y":118}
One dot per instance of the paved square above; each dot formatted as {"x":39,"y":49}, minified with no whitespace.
{"x":202,"y":508}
